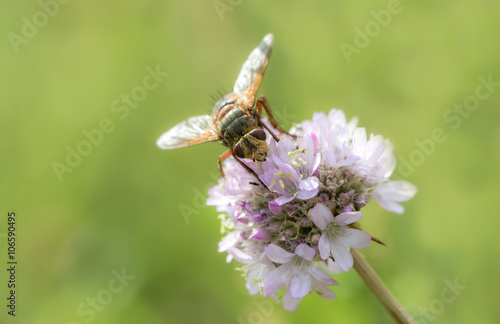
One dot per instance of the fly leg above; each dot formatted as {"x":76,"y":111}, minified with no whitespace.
{"x":228,"y":154}
{"x":249,"y":170}
{"x":222,"y":158}
{"x":269,"y":130}
{"x":262,"y":102}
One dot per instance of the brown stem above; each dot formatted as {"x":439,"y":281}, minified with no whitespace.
{"x":380,"y":291}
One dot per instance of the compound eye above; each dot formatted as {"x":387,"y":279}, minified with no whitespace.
{"x":258,"y":133}
{"x":238,"y":151}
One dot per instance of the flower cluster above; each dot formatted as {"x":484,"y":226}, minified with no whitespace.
{"x":305,"y":220}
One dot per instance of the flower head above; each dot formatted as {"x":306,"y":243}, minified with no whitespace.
{"x":306,"y":216}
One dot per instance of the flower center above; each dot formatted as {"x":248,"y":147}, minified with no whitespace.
{"x":285,"y":182}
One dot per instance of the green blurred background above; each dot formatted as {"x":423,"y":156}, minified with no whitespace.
{"x":119,"y":208}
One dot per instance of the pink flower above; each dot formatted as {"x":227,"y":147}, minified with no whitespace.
{"x":337,"y":239}
{"x":296,"y":271}
{"x":315,"y":184}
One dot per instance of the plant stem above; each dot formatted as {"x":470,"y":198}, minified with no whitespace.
{"x":380,"y":290}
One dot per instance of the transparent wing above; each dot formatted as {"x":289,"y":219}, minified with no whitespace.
{"x":251,"y":73}
{"x":193,"y":131}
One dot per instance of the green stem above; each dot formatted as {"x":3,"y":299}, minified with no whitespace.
{"x":379,"y":289}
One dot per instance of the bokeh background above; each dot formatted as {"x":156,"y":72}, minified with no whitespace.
{"x":129,"y":205}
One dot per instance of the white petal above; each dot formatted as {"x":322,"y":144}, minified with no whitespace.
{"x":277,"y":254}
{"x":396,"y":190}
{"x":375,"y":147}
{"x":229,"y":240}
{"x":284,"y":147}
{"x":309,"y":184}
{"x":275,"y":280}
{"x":321,"y":276}
{"x":356,"y":238}
{"x":304,"y":195}
{"x":323,"y":291}
{"x":240,"y":255}
{"x":300,"y":285}
{"x":337,"y":116}
{"x":315,"y":164}
{"x":290,"y":304}
{"x":342,"y":255}
{"x":347,"y":218}
{"x":332,"y":266}
{"x":359,"y":141}
{"x":304,"y":251}
{"x":351,"y":159}
{"x":321,"y":216}
{"x":330,"y":157}
{"x":324,"y":246}
{"x":387,"y":160}
{"x":387,"y":194}
{"x":353,"y":123}
{"x":391,"y":206}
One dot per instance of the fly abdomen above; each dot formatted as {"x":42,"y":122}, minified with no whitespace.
{"x":234,"y":124}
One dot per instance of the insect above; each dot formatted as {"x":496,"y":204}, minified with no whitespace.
{"x":236,"y":119}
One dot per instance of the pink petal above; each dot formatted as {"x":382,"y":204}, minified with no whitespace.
{"x":353,"y":123}
{"x":290,"y":304}
{"x":358,"y":140}
{"x":316,"y":162}
{"x":324,"y":246}
{"x":337,"y":116}
{"x":348,"y":161}
{"x":300,"y":285}
{"x":322,"y":277}
{"x":355,"y":238}
{"x":275,"y":208}
{"x":274,"y":281}
{"x":321,"y":216}
{"x":283,"y":200}
{"x":304,"y":251}
{"x":229,"y":240}
{"x":396,"y":190}
{"x":375,"y":147}
{"x":240,"y":255}
{"x":284,"y":146}
{"x":259,"y":234}
{"x":347,"y":218}
{"x":277,"y":254}
{"x":333,"y":267}
{"x":330,"y":157}
{"x":390,"y":206}
{"x":304,"y":195}
{"x":307,"y":143}
{"x":324,"y":291}
{"x":342,"y":255}
{"x":309,"y":184}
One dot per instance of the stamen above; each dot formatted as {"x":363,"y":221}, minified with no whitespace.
{"x":296,"y":151}
{"x":280,"y":174}
{"x":292,"y":157}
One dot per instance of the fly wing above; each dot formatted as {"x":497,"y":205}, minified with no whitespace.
{"x":193,"y":131}
{"x":251,"y":73}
